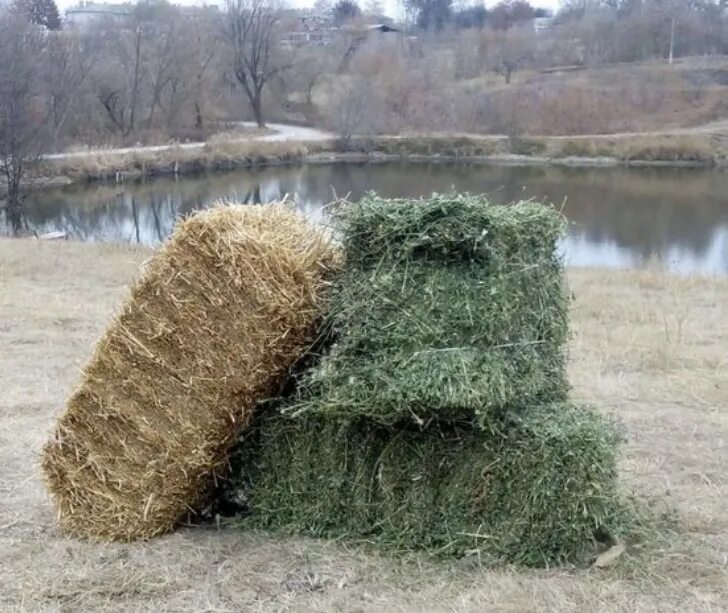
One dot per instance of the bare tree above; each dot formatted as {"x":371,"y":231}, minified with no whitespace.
{"x":40,"y":12}
{"x":348,"y":113}
{"x":509,"y":13}
{"x":344,"y":11}
{"x":66,"y":71}
{"x":251,"y":29}
{"x":118,"y":76}
{"x":355,"y":110}
{"x":205,"y":48}
{"x":164,"y":50}
{"x":145,"y":69}
{"x":22,"y":115}
{"x":506,"y":52}
{"x":432,"y":15}
{"x":311,"y":64}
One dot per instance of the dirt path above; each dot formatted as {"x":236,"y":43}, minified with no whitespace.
{"x":647,"y":347}
{"x":281,"y":133}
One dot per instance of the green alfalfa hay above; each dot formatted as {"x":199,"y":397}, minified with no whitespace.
{"x":448,"y":308}
{"x":448,"y":228}
{"x":540,"y":492}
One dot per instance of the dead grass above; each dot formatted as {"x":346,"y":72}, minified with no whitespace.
{"x":229,"y":153}
{"x":697,"y":148}
{"x":216,"y":154}
{"x":700,"y":148}
{"x":648,"y":347}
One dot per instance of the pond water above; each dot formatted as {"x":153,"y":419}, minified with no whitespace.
{"x":620,"y":217}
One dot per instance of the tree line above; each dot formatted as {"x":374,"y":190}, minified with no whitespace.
{"x":161,"y":73}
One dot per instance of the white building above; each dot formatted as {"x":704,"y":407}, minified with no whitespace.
{"x":87,"y":12}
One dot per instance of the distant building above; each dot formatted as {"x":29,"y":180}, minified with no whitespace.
{"x":312,"y":27}
{"x":85,"y":13}
{"x":307,"y":26}
{"x":382,"y":27}
{"x":542,"y":24}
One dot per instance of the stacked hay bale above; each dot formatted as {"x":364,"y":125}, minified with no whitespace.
{"x":438,"y":420}
{"x":449,"y":308}
{"x":218,"y":317}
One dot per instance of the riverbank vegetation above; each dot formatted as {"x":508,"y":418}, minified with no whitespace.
{"x":647,"y":348}
{"x":227,"y":154}
{"x":701,"y":149}
{"x":176,"y":159}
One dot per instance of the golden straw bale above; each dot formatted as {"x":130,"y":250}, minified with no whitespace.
{"x":218,"y":317}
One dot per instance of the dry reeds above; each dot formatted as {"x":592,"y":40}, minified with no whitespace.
{"x":216,"y":154}
{"x":218,"y":317}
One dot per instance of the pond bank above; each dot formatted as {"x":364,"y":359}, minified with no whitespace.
{"x":680,"y":150}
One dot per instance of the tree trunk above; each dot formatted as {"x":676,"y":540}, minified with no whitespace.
{"x":15,"y":217}
{"x":256,"y":103}
{"x":135,"y":89}
{"x":199,"y":124}
{"x":153,"y":108}
{"x":14,"y":207}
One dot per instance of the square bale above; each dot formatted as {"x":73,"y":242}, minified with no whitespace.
{"x":448,"y":308}
{"x":540,"y":492}
{"x":218,"y":317}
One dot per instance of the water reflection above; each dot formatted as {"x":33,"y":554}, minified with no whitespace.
{"x":620,"y":217}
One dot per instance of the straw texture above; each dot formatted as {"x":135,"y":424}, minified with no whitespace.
{"x":218,"y":317}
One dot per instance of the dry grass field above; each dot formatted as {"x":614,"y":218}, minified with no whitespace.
{"x":648,"y":347}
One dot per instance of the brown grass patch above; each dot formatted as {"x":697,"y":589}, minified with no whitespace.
{"x":228,"y":153}
{"x":222,"y":153}
{"x":694,"y":148}
{"x":629,"y":148}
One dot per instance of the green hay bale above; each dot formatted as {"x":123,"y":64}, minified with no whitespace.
{"x":448,"y":228}
{"x":448,"y":308}
{"x":539,"y":493}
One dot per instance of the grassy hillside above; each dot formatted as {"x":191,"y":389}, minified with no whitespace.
{"x":570,"y":100}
